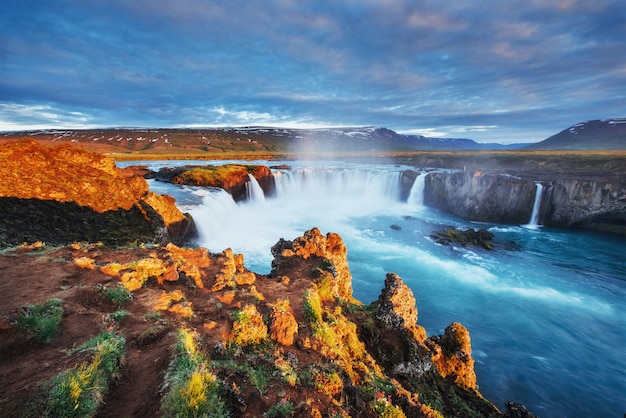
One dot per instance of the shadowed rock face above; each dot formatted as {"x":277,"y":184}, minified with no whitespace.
{"x":592,"y":204}
{"x":481,"y":197}
{"x":74,"y":195}
{"x":567,"y":202}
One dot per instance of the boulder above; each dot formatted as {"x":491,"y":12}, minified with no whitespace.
{"x":283,"y":324}
{"x":396,"y":304}
{"x":329,"y":247}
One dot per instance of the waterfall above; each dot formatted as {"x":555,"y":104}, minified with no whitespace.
{"x":349,"y":186}
{"x":329,"y":198}
{"x":254,"y":192}
{"x":416,"y":195}
{"x":534,"y":217}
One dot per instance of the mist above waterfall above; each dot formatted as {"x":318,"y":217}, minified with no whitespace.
{"x":325,"y":196}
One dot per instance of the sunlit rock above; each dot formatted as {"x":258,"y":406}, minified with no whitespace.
{"x":326,"y":247}
{"x":452,"y":354}
{"x":85,"y":194}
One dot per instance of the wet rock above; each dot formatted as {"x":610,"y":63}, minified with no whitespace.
{"x":470,"y":236}
{"x":516,"y":410}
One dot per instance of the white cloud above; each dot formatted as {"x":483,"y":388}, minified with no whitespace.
{"x":15,"y":117}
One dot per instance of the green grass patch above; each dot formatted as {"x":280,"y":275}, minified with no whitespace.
{"x":194,"y":391}
{"x":42,"y":320}
{"x":284,"y":408}
{"x":79,"y":392}
{"x":117,"y":295}
{"x":118,"y":316}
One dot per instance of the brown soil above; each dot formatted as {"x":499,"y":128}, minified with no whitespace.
{"x":31,"y":276}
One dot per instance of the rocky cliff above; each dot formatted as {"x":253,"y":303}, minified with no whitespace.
{"x":564,"y":201}
{"x":64,"y":194}
{"x":292,"y":343}
{"x":481,"y":196}
{"x":233,"y":178}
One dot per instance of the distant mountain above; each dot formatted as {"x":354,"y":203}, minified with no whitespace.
{"x":607,"y":134}
{"x":256,"y":139}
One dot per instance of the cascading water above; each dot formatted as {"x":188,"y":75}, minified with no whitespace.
{"x":534,"y":217}
{"x":254,"y":192}
{"x":416,"y":195}
{"x":524,"y":305}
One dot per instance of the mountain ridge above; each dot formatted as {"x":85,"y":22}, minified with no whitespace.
{"x":252,"y":138}
{"x":605,"y":134}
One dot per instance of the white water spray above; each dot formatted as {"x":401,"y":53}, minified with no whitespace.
{"x":254,"y":192}
{"x":416,"y":195}
{"x":534,"y":217}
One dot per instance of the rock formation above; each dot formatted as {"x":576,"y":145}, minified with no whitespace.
{"x":328,"y":247}
{"x":481,"y":196}
{"x":499,"y":198}
{"x":233,"y":178}
{"x":591,"y":204}
{"x":74,"y":195}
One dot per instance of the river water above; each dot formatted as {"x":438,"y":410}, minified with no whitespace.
{"x":545,"y":310}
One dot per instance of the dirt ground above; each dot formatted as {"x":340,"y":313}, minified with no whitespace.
{"x":31,"y":276}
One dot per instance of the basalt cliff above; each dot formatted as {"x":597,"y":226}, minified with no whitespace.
{"x":591,"y":199}
{"x":156,"y":329}
{"x":571,"y":201}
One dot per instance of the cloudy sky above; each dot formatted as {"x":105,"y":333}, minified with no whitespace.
{"x":491,"y":70}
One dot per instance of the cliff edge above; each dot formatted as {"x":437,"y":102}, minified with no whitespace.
{"x":62,"y":194}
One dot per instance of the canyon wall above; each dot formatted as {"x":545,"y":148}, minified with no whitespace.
{"x":500,"y":198}
{"x":481,"y":196}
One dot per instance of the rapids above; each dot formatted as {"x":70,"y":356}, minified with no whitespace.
{"x":545,"y":309}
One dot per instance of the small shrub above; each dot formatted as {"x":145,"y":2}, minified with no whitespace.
{"x":259,"y":376}
{"x":286,"y":370}
{"x":42,"y":320}
{"x":249,"y":327}
{"x":284,"y":408}
{"x":384,"y":408}
{"x":117,"y":316}
{"x":117,"y":295}
{"x":313,"y":306}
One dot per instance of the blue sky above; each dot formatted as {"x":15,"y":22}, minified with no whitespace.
{"x":491,"y":70}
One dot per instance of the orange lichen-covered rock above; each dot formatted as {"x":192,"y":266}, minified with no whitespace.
{"x":232,"y":272}
{"x":283,"y":324}
{"x":453,"y":355}
{"x":66,"y":174}
{"x":329,"y":247}
{"x":91,"y":199}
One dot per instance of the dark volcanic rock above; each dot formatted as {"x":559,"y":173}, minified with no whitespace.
{"x":565,"y":201}
{"x":481,"y":196}
{"x":470,"y":236}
